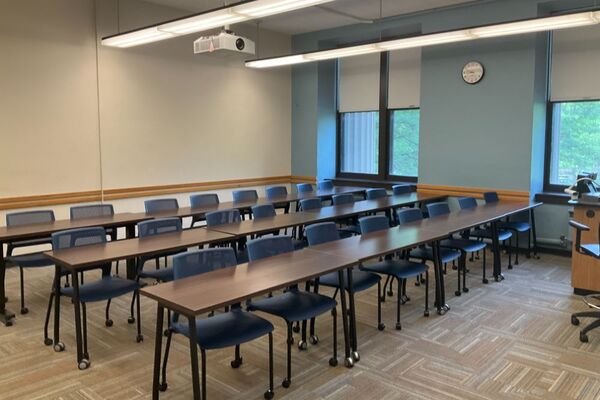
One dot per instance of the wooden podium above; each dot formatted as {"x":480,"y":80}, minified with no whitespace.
{"x":585,"y":276}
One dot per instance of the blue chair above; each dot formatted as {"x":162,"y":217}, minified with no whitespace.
{"x":325,"y":185}
{"x":202,"y":201}
{"x":311,"y":204}
{"x":463,"y":245}
{"x":401,"y":189}
{"x":242,"y":196}
{"x":263,"y":211}
{"x":223,"y":217}
{"x":349,"y":225}
{"x":517,"y":227}
{"x":398,"y":269}
{"x":161,"y":205}
{"x":104,"y":289}
{"x":29,"y":260}
{"x":277,"y":192}
{"x":232,"y":328}
{"x":95,"y":211}
{"x":304,"y":188}
{"x":326,"y":232}
{"x":152,"y":228}
{"x":293,"y":305}
{"x":373,"y":194}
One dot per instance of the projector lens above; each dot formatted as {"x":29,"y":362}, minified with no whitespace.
{"x":240,"y":44}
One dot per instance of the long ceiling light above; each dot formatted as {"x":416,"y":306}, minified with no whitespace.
{"x":505,"y":29}
{"x":239,"y":12}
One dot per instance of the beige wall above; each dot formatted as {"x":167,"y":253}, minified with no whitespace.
{"x":166,"y":116}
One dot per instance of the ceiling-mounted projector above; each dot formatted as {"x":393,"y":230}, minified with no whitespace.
{"x":226,"y":40}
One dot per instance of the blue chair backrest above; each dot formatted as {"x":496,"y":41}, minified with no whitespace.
{"x":201,"y":261}
{"x":407,"y":215}
{"x":435,"y":209}
{"x":81,"y":237}
{"x":373,"y":194}
{"x":373,"y":223}
{"x":467,"y":202}
{"x":222,"y":217}
{"x":325,"y":185}
{"x":310,"y":204}
{"x":304,"y":187}
{"x":401,"y":189}
{"x":158,"y":226}
{"x":29,"y":217}
{"x":490,"y":197}
{"x":245,"y":195}
{"x":91,"y":211}
{"x":321,"y":233}
{"x":263,"y":211}
{"x":158,"y":205}
{"x":204,"y":200}
{"x":276,"y":191}
{"x":269,"y":247}
{"x":345,"y":198}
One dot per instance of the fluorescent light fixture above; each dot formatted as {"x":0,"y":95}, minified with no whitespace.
{"x":538,"y":25}
{"x":263,"y":8}
{"x":135,"y":38}
{"x":277,"y":62}
{"x":426,"y":40}
{"x":203,"y":22}
{"x":343,"y":52}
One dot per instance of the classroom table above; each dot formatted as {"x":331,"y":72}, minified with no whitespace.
{"x":34,"y":231}
{"x":214,"y":290}
{"x":79,"y":258}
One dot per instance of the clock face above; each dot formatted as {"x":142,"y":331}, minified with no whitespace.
{"x":473,"y":72}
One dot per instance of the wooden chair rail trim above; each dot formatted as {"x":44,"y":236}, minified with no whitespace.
{"x":460,"y":191}
{"x":11,"y":203}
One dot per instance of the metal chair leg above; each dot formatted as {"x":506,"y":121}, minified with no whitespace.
{"x":426,"y":313}
{"x":108,"y":322}
{"x":518,"y":249}
{"x":163,"y":384}
{"x":24,"y":309}
{"x":269,"y":394}
{"x":398,"y":303}
{"x":380,"y":324}
{"x":139,"y":338}
{"x":203,"y":356}
{"x":85,"y":336}
{"x":237,"y":360}
{"x":333,"y":361}
{"x":47,"y":340}
{"x":288,"y":380}
{"x":484,"y":279}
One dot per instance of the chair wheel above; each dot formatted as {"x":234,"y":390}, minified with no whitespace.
{"x":163,"y":387}
{"x":426,"y":313}
{"x":108,"y":322}
{"x":382,"y":299}
{"x":381,"y":326}
{"x":466,"y":290}
{"x":349,"y":362}
{"x":454,"y":267}
{"x":314,"y":339}
{"x":130,"y":320}
{"x":390,"y":293}
{"x":398,"y":326}
{"x":583,"y":338}
{"x":236,"y":363}
{"x":355,"y":356}
{"x":574,"y":320}
{"x":286,"y":383}
{"x":457,"y":293}
{"x":510,"y":267}
{"x":8,"y":323}
{"x":333,"y":362}
{"x":83,"y":364}
{"x":269,"y":394}
{"x":417,"y":283}
{"x":485,"y":281}
{"x":166,"y":332}
{"x":24,"y":310}
{"x":423,"y":280}
{"x":139,"y":338}
{"x":48,"y":341}
{"x":58,"y":347}
{"x":302,"y":345}
{"x":296,"y":328}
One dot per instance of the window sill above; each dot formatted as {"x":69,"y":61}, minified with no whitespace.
{"x":375,"y":183}
{"x":553,"y":198}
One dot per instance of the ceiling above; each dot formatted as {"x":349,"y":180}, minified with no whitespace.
{"x":330,"y":15}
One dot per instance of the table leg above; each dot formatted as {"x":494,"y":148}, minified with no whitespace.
{"x":194,"y":357}
{"x":157,"y":351}
{"x":497,"y":262}
{"x":58,"y":345}
{"x":82,"y":361}
{"x":353,"y":331}
{"x":6,"y":317}
{"x":533,"y":233}
{"x":131,"y":267}
{"x":440,"y":289}
{"x":348,"y":360}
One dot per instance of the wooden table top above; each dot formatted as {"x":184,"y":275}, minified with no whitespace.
{"x":46,"y":229}
{"x":213,"y":290}
{"x":80,"y":257}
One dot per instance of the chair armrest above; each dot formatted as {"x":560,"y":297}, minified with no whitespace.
{"x":579,"y":226}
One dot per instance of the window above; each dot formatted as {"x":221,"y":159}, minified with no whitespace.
{"x":359,"y":142}
{"x":574,"y":141}
{"x":404,"y":142}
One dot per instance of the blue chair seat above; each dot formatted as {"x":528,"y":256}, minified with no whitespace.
{"x":466,"y":245}
{"x":31,"y":242}
{"x":515,"y":226}
{"x":350,"y":229}
{"x":299,"y":244}
{"x":401,"y":269}
{"x":225,"y":330}
{"x":487,"y":234}
{"x":242,"y":256}
{"x":294,"y":305}
{"x":103,"y":289}
{"x":361,"y":280}
{"x":162,"y":274}
{"x":591,"y":249}
{"x":426,"y":253}
{"x":30,"y":260}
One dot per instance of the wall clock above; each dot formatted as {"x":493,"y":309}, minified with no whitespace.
{"x":472,"y":72}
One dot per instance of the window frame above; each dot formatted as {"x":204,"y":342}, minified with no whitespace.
{"x":548,"y":186}
{"x":404,"y":178}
